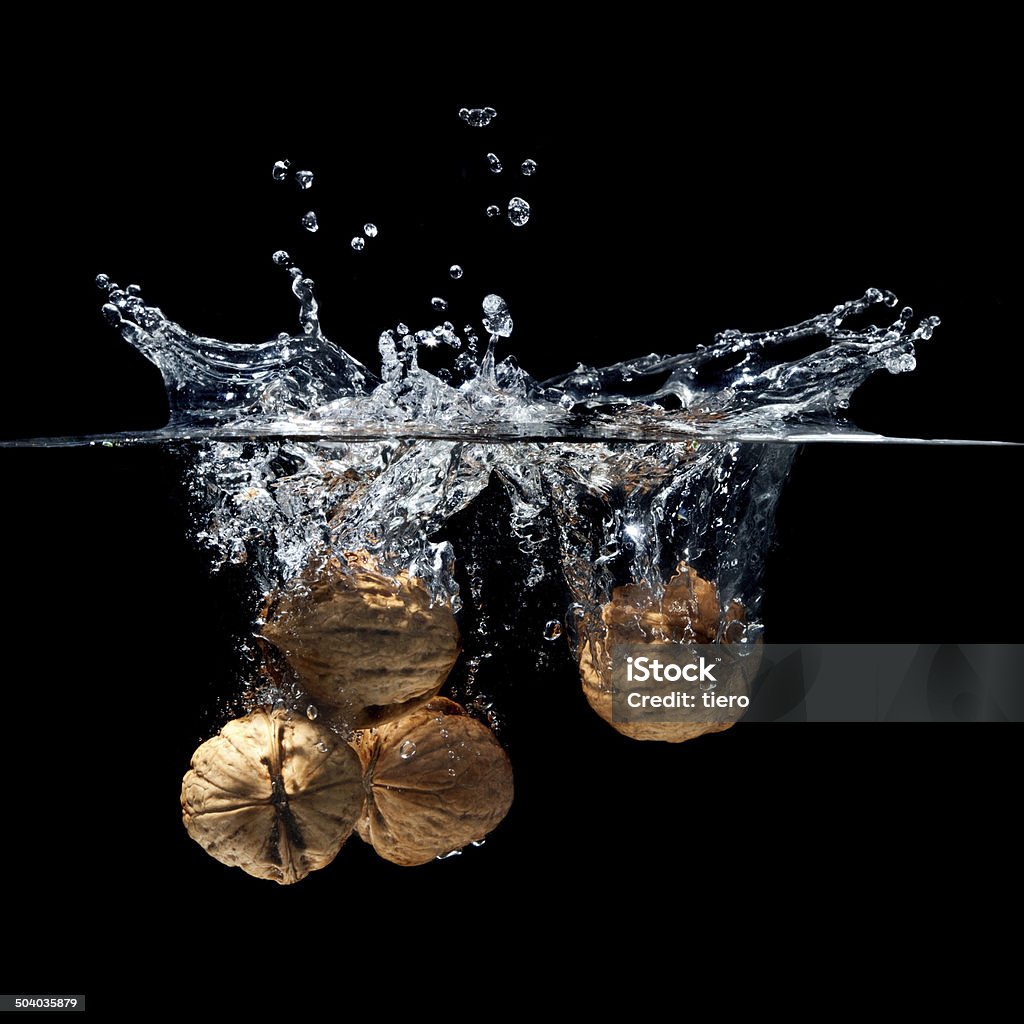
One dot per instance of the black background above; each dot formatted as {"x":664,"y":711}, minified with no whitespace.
{"x":663,"y":212}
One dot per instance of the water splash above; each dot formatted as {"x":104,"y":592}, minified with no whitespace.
{"x":478,"y":117}
{"x":518,"y":211}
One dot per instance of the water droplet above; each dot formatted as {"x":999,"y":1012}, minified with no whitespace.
{"x":478,"y":842}
{"x":478,"y":117}
{"x":309,"y":221}
{"x":518,"y":211}
{"x":496,"y":316}
{"x":311,"y":712}
{"x":304,"y":179}
{"x":439,"y":304}
{"x":111,"y":313}
{"x":358,"y":243}
{"x":450,"y":853}
{"x":322,"y":747}
{"x":407,"y":750}
{"x":493,"y":211}
{"x":280,"y":171}
{"x":451,"y":771}
{"x":134,"y":289}
{"x":493,"y":163}
{"x":707,"y":685}
{"x":528,"y":167}
{"x":455,"y":271}
{"x":370,"y":230}
{"x":451,"y":755}
{"x":282,"y":258}
{"x":401,"y":330}
{"x":552,"y":629}
{"x":102,"y":281}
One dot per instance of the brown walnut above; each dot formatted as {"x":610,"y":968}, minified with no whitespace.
{"x":435,"y":780}
{"x":365,"y":647}
{"x":688,"y":612}
{"x":273,"y":794}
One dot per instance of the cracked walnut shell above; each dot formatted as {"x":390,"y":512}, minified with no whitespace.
{"x":435,"y":780}
{"x":688,"y":612}
{"x":365,"y":647}
{"x":272,"y":794}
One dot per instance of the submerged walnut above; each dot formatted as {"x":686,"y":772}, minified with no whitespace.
{"x":364,"y":646}
{"x":274,"y":795}
{"x":688,"y":612}
{"x":435,"y":780}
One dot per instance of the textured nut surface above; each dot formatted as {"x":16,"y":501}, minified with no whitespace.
{"x":273,"y":795}
{"x":688,"y":612}
{"x":452,"y":786}
{"x":364,"y":646}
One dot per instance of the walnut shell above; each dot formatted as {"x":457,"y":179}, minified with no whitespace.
{"x":689,"y":612}
{"x":435,"y":779}
{"x":274,"y":795}
{"x":365,"y":647}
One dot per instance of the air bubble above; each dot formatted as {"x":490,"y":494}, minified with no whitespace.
{"x":280,"y":170}
{"x":439,"y":304}
{"x":370,"y":230}
{"x":358,"y":243}
{"x":528,"y":167}
{"x":304,"y":179}
{"x":552,"y":629}
{"x":309,"y":221}
{"x":493,"y":163}
{"x":407,"y":750}
{"x":493,"y":211}
{"x":455,"y":271}
{"x":312,"y":712}
{"x":282,"y":258}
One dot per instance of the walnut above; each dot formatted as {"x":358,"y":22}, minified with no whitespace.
{"x":689,"y":612}
{"x":365,"y":647}
{"x":435,"y":780}
{"x":272,"y":794}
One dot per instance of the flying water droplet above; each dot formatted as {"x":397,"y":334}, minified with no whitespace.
{"x":455,"y":271}
{"x":111,"y":313}
{"x":439,"y":304}
{"x":450,"y":853}
{"x":401,"y":330}
{"x":309,"y":221}
{"x":304,"y":179}
{"x":102,"y":282}
{"x":493,"y":211}
{"x":518,"y":211}
{"x":407,"y":750}
{"x":280,"y":171}
{"x":478,"y":842}
{"x":452,"y":772}
{"x":370,"y":230}
{"x":528,"y":167}
{"x":493,"y":163}
{"x":358,"y":243}
{"x":478,"y":117}
{"x":552,"y":629}
{"x":312,"y":712}
{"x":322,"y":747}
{"x":282,"y":258}
{"x":496,"y":316}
